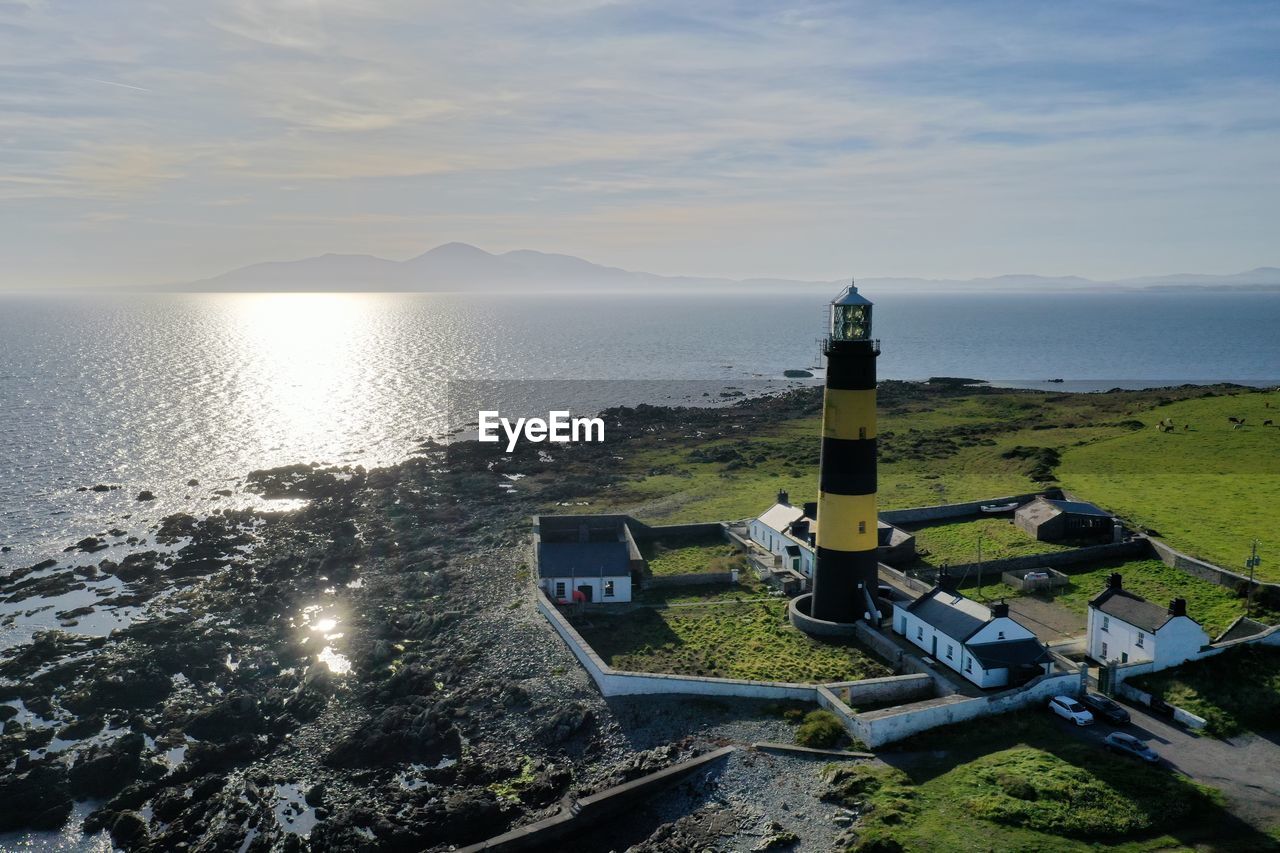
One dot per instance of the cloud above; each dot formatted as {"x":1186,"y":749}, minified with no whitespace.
{"x":888,"y":128}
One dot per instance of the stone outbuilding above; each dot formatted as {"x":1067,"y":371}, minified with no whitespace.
{"x":1051,"y":520}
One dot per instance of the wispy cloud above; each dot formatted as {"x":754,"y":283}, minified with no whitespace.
{"x":807,"y":138}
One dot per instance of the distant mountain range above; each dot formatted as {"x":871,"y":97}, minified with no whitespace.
{"x":462,"y":267}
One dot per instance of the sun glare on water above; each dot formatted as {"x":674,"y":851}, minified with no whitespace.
{"x":304,"y":358}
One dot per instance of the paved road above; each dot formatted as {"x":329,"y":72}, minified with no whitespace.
{"x":1246,"y":768}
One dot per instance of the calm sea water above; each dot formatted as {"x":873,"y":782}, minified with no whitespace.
{"x":151,"y":391}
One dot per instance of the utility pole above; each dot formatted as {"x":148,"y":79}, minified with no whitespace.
{"x":1251,"y":564}
{"x":979,"y":564}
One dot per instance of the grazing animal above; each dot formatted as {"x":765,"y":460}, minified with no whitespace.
{"x":1234,"y":420}
{"x":1267,"y":422}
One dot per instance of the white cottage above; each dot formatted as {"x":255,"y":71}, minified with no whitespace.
{"x":784,"y":531}
{"x":985,"y":645}
{"x":595,"y":571}
{"x":1126,"y":628}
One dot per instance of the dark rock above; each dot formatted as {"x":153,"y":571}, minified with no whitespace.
{"x":234,"y":715}
{"x":105,"y":770}
{"x":400,"y":734}
{"x":89,"y":544}
{"x":564,"y":722}
{"x":145,"y":495}
{"x":102,"y":487}
{"x":193,"y":482}
{"x":315,"y":794}
{"x":37,"y":799}
{"x":128,"y":829}
{"x":81,"y":728}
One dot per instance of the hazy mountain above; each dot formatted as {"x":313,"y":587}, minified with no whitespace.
{"x":459,"y":266}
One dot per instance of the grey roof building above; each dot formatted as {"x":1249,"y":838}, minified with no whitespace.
{"x":1050,"y":520}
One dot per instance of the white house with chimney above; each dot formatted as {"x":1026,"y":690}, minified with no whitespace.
{"x":984,"y":644}
{"x":1124,"y":627}
{"x":787,"y":532}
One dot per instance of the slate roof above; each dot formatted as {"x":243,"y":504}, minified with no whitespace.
{"x":1078,"y":508}
{"x":583,"y":560}
{"x":779,"y":516}
{"x":1134,"y":609}
{"x":1009,"y":653}
{"x":952,"y":614}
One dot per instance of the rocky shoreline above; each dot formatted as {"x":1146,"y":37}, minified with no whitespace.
{"x":365,"y":672}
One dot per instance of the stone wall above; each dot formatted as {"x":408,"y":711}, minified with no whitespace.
{"x":1131,"y":549}
{"x":942,"y":512}
{"x":1264,"y":592}
{"x":880,"y":727}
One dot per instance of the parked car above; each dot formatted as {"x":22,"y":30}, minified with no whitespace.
{"x":1102,"y":706}
{"x":1126,"y":744}
{"x":1070,"y":709}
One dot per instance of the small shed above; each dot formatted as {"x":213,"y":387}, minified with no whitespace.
{"x":1054,"y":520}
{"x":597,"y":571}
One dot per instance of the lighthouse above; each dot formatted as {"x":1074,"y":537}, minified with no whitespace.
{"x":844,"y":575}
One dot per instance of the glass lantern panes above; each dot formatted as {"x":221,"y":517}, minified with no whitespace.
{"x":850,"y":322}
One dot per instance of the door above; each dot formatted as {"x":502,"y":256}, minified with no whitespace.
{"x":585,"y":589}
{"x":935,"y":647}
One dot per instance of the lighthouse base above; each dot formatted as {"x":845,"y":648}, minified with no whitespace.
{"x":799,"y":613}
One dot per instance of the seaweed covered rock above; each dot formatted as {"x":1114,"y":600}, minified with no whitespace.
{"x":37,"y":799}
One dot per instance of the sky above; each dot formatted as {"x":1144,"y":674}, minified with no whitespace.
{"x":148,"y":142}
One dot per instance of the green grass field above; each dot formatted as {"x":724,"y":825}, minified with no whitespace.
{"x":1208,"y":491}
{"x":1213,"y":606}
{"x":711,"y":631}
{"x":1022,"y":785}
{"x":956,"y":542}
{"x":707,"y":554}
{"x":1236,"y":690}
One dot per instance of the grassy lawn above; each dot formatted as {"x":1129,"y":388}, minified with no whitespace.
{"x":1213,"y":606}
{"x":685,"y":556}
{"x":1022,"y":785}
{"x":956,"y":542}
{"x":1236,"y":690}
{"x":706,"y":630}
{"x":1208,"y":491}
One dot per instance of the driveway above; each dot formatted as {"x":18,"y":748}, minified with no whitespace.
{"x":1245,"y":768}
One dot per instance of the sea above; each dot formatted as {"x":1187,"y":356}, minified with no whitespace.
{"x":158,"y":391}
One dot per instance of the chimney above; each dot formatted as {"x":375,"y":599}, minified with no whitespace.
{"x":811,"y":510}
{"x":1114,"y":581}
{"x":783,"y":497}
{"x":999,"y":609}
{"x":1178,"y":607}
{"x":945,"y":581}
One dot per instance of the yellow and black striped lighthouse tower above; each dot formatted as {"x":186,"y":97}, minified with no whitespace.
{"x":844,"y":575}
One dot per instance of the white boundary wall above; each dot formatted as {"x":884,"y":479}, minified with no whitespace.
{"x":873,"y":728}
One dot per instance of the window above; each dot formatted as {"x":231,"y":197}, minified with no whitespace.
{"x":968,"y":664}
{"x":1106,"y":622}
{"x":608,"y":589}
{"x":1141,"y":637}
{"x":1104,"y":651}
{"x":862,"y":432}
{"x":1000,"y":636}
{"x":948,"y":651}
{"x":920,"y":634}
{"x":559,"y":589}
{"x":862,"y":527}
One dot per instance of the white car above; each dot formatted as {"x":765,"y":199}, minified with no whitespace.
{"x":1070,"y":709}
